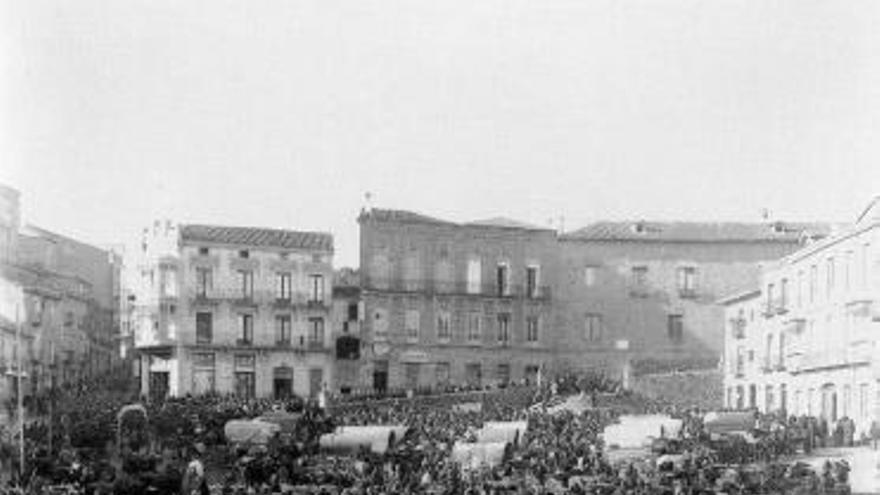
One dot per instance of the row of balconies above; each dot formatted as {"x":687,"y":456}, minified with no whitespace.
{"x":445,"y":287}
{"x":301,"y":344}
{"x":780,"y":305}
{"x":450,"y":341}
{"x":255,"y":298}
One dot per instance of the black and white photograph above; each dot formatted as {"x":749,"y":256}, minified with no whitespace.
{"x":475,"y":247}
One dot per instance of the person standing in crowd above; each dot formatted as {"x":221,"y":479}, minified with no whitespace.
{"x":194,"y":482}
{"x":875,"y":433}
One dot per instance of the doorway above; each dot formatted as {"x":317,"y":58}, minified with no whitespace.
{"x":380,"y":376}
{"x":159,"y":381}
{"x":282,"y":382}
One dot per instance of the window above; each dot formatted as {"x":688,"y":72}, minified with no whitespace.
{"x":411,"y":375}
{"x":532,"y":329}
{"x":532,"y":281}
{"x":687,"y":281}
{"x":441,"y":374}
{"x":282,"y":286}
{"x":204,"y":281}
{"x":246,"y":283}
{"x":783,"y":293}
{"x":380,"y":322}
{"x":246,"y":325}
{"x":829,"y":277}
{"x":203,"y":373}
{"x":245,"y":379}
{"x":203,"y":251}
{"x":768,"y":398}
{"x":443,"y":331}
{"x":503,"y":373}
{"x":473,"y":374}
{"x":244,"y":253}
{"x":316,"y":332}
{"x":847,"y":272}
{"x":503,"y":328}
{"x":593,"y":327}
{"x":780,"y":359}
{"x":474,"y":282}
{"x":590,"y":273}
{"x":412,"y":325}
{"x":814,"y":280}
{"x":282,"y":330}
{"x":770,"y":295}
{"x":768,"y":352}
{"x":675,"y":328}
{"x":475,"y":327}
{"x":353,"y":312}
{"x":800,"y":288}
{"x":639,"y":286}
{"x":204,"y":328}
{"x":317,"y":288}
{"x":169,"y":282}
{"x":502,"y":279}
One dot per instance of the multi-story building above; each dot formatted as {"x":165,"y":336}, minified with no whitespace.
{"x":450,"y":303}
{"x":234,"y":310}
{"x":66,"y":305}
{"x":643,"y":294}
{"x":815,"y":331}
{"x":347,"y":318}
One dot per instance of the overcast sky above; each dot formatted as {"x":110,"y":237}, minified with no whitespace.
{"x":284,"y":113}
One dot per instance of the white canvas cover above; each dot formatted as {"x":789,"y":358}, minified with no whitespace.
{"x":349,"y":439}
{"x":502,"y":431}
{"x":476,"y":455}
{"x":729,"y":422}
{"x":638,"y":431}
{"x":250,"y":431}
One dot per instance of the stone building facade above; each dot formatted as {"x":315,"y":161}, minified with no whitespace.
{"x":235,"y":310}
{"x":812,"y":345}
{"x":641,"y":296}
{"x":66,"y":294}
{"x":450,"y":303}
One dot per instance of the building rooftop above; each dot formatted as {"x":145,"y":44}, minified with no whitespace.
{"x":404,"y":216}
{"x":739,"y":296}
{"x":507,"y":223}
{"x":644,"y":231}
{"x":257,"y":237}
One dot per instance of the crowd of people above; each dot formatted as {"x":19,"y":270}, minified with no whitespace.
{"x":179,"y":447}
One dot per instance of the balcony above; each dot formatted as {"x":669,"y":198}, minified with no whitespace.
{"x":255,"y":298}
{"x":316,"y":346}
{"x":443,"y":287}
{"x":639,"y":292}
{"x":244,"y":342}
{"x":687,"y":293}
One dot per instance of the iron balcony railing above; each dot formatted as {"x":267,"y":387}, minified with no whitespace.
{"x":256,"y":297}
{"x":440,"y":287}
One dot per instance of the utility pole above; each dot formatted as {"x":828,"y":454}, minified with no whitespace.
{"x":20,"y":394}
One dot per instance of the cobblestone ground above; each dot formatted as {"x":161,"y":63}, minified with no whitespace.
{"x":865,"y":464}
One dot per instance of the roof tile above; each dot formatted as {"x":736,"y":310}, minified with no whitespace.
{"x":255,"y":236}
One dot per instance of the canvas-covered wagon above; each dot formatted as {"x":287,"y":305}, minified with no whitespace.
{"x":378,"y":439}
